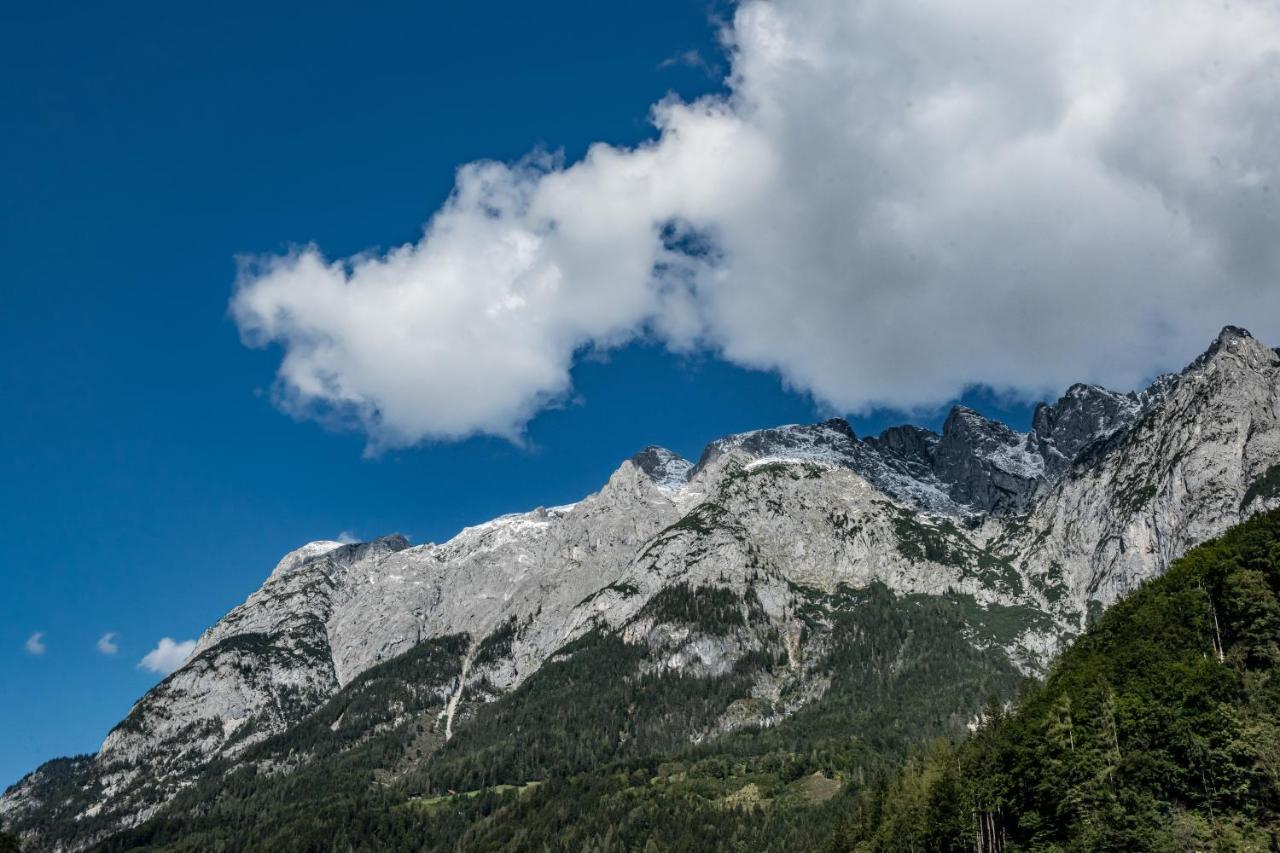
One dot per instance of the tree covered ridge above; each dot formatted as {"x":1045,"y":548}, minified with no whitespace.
{"x":1158,"y":729}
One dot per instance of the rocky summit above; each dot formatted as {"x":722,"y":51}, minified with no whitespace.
{"x":742,"y":570}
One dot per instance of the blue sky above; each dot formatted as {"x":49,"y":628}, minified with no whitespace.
{"x":148,"y":482}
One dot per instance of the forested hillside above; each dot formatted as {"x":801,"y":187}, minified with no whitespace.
{"x":1159,"y":729}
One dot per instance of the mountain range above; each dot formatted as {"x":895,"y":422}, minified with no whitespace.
{"x":796,"y":579}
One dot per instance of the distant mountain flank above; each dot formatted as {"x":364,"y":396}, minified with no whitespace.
{"x":798,"y":576}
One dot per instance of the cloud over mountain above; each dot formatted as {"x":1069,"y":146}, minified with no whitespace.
{"x":167,"y":656}
{"x":891,"y":202}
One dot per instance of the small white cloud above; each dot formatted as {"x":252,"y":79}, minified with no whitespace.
{"x":35,"y":643}
{"x":107,"y":643}
{"x":167,"y":656}
{"x":692,"y":58}
{"x":346,"y":537}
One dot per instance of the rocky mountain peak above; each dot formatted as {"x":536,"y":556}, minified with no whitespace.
{"x":1236,"y":343}
{"x":970,"y":427}
{"x":839,"y":425}
{"x":666,"y":469}
{"x":305,"y":554}
{"x":986,"y":464}
{"x":338,"y":554}
{"x":908,"y":442}
{"x":977,"y":464}
{"x":383,"y":545}
{"x":832,"y":441}
{"x":1083,"y":415}
{"x":1232,"y":333}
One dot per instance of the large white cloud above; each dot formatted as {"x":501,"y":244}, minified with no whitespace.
{"x":893,"y":202}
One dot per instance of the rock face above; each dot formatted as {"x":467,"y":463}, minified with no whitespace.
{"x":1085,"y":414}
{"x":667,"y":470}
{"x":986,"y":464}
{"x":1044,"y":528}
{"x":1201,"y":457}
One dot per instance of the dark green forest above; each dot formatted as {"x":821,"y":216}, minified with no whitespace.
{"x":1158,"y":729}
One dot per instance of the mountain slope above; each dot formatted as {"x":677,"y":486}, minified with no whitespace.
{"x":1001,"y":530}
{"x":1159,"y":729}
{"x":896,"y":670}
{"x":1156,"y":730}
